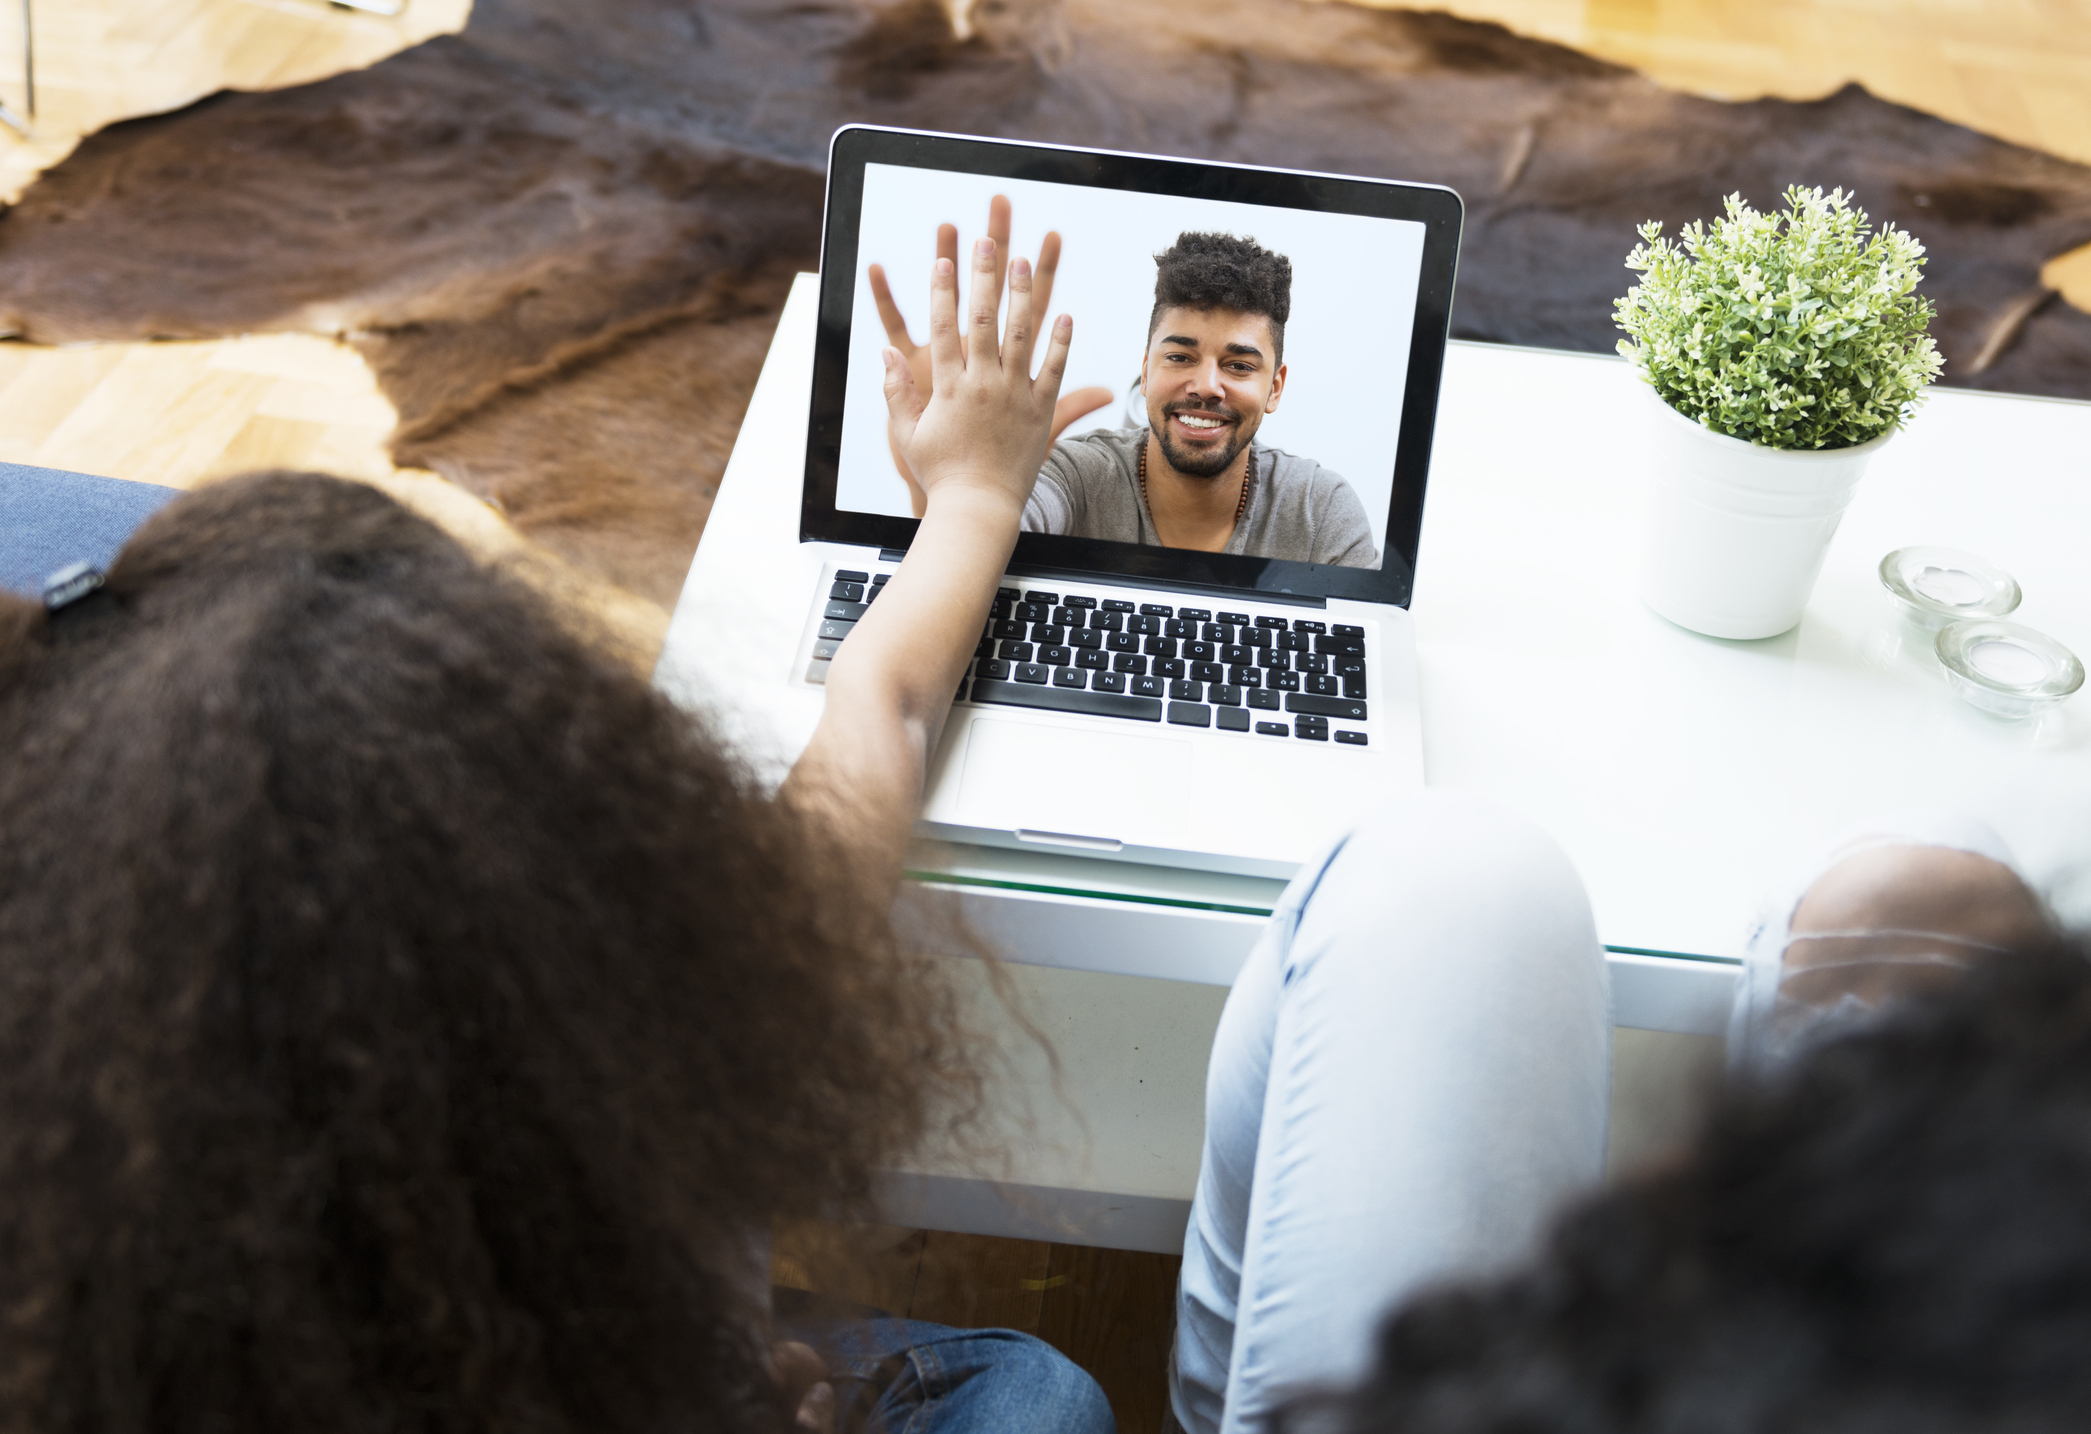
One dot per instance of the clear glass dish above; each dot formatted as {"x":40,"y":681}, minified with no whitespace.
{"x":1934,"y":586}
{"x":2007,"y":669}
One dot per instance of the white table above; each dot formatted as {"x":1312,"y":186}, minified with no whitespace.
{"x":1683,"y":774}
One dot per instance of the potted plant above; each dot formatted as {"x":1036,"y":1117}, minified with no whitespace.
{"x":1780,"y":352}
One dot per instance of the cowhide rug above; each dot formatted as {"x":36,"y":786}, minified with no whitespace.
{"x":562,"y":237}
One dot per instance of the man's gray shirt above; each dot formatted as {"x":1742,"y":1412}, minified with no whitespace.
{"x":1299,"y":510}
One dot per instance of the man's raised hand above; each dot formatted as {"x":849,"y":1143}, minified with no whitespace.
{"x":984,"y":426}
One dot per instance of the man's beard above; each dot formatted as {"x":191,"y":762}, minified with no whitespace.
{"x":1210,"y":464}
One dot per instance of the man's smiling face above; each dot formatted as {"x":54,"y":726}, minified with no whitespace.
{"x":1210,"y":376}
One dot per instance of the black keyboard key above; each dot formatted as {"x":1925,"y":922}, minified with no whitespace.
{"x":1293,"y":641}
{"x":1155,"y":609}
{"x":824,"y":649}
{"x":847,"y":592}
{"x":1062,"y":699}
{"x":1159,"y":647}
{"x":1257,"y":637}
{"x":1347,"y":666}
{"x":1232,"y":719}
{"x":1032,"y":672}
{"x":1070,"y":677}
{"x":1056,"y":656}
{"x":881,"y":580}
{"x":1216,"y":632}
{"x":1121,"y":642}
{"x":1078,"y":602}
{"x":1221,"y":695}
{"x":1066,"y":616}
{"x":851,"y":575}
{"x":1274,"y":729}
{"x":1083,"y":637}
{"x":1048,"y":634}
{"x":1150,"y":687}
{"x":836,"y":630}
{"x":1145,"y":626}
{"x":1234,"y":654}
{"x":1276,"y":623}
{"x":1310,"y":662}
{"x":1194,"y":614}
{"x":872,"y":594}
{"x":1012,"y":630}
{"x":1186,"y":691}
{"x":1129,"y":662}
{"x":1300,"y":624}
{"x":1239,"y":619}
{"x":1323,"y":686}
{"x":1245,"y":676}
{"x":1344,"y":629}
{"x":1283,"y":681}
{"x":843,"y":611}
{"x":1108,"y":682}
{"x":1092,"y":659}
{"x":1017,"y":652}
{"x":1196,"y":651}
{"x":1007,"y":594}
{"x":1274,"y":659}
{"x":1344,"y":707}
{"x":1351,"y":739}
{"x":1168,"y":667}
{"x":995,"y":669}
{"x":1032,"y":612}
{"x":1264,"y":701}
{"x":998,"y":611}
{"x":1114,"y":605}
{"x":1354,"y":687}
{"x":1047,"y":599}
{"x":1190,"y":714}
{"x":1106,"y":622}
{"x":1208,"y":672}
{"x":1177,"y":627}
{"x":1340,"y":646}
{"x":1302,"y":730}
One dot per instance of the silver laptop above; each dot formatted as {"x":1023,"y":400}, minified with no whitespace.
{"x":1151,"y":685}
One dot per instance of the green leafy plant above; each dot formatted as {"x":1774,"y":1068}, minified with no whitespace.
{"x":1800,"y":329}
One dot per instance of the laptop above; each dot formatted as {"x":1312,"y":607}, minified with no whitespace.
{"x":1230,"y":710}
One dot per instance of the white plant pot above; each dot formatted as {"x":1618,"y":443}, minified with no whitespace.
{"x":1736,"y":532}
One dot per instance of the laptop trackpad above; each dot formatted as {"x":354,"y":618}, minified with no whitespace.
{"x":1094,"y":787}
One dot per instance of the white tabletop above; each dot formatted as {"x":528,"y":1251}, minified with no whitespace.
{"x":1682,"y":773}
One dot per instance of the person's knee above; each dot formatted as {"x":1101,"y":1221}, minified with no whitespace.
{"x":1457,"y":855}
{"x":1053,"y":1391}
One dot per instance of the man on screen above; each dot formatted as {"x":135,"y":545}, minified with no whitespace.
{"x":1193,"y":476}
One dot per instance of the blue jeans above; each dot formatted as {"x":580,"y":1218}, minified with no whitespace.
{"x":900,"y":1376}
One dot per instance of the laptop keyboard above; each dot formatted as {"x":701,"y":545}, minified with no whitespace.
{"x":1262,"y":674}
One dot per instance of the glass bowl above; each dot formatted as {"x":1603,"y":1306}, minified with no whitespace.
{"x":1934,"y":586}
{"x":2007,"y":669}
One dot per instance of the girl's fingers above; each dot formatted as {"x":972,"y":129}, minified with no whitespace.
{"x":946,"y":359}
{"x":998,"y":230}
{"x":980,"y":332}
{"x":904,"y":402}
{"x":1055,"y":366}
{"x":889,"y":312}
{"x":947,"y":242}
{"x":1017,"y":332}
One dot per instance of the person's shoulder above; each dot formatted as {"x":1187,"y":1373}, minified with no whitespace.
{"x":1097,"y":452}
{"x":1307,"y":482}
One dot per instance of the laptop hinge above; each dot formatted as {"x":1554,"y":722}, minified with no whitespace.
{"x":1037,"y":570}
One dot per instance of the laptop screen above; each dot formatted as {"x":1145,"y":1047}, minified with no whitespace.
{"x":1276,"y":334}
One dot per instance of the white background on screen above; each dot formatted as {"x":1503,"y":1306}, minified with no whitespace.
{"x":1346,"y":344}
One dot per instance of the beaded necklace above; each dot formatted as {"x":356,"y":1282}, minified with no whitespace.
{"x":1248,"y":477}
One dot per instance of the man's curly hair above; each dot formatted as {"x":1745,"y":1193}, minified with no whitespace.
{"x":1221,"y":271}
{"x":411,"y":1022}
{"x":1894,"y":1237}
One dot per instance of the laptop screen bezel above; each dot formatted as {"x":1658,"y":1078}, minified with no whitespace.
{"x":1435,"y":207}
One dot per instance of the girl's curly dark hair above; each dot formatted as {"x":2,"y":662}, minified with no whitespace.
{"x":410,"y":1022}
{"x":1896,"y":1237}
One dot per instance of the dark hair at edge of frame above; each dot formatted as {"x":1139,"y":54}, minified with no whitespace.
{"x":1221,"y":271}
{"x":1891,"y":1237}
{"x":411,"y":1022}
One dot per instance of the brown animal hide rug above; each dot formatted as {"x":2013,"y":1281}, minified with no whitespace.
{"x":562,"y":236}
